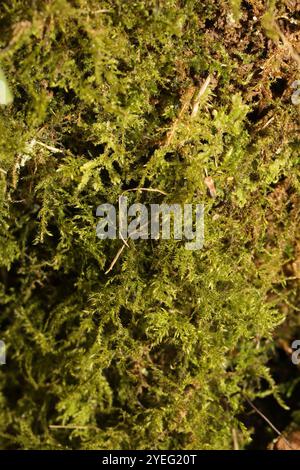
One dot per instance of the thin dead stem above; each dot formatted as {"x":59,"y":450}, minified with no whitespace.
{"x":186,"y":101}
{"x":70,"y":426}
{"x":199,"y":95}
{"x":235,"y":439}
{"x":146,"y":189}
{"x":268,"y":421}
{"x":293,"y":53}
{"x":115,"y":259}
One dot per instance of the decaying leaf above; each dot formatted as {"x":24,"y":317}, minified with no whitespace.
{"x":291,"y":442}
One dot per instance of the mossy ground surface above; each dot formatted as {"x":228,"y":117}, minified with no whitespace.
{"x":160,"y":352}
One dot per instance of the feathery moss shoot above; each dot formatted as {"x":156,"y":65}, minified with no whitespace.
{"x":143,"y":344}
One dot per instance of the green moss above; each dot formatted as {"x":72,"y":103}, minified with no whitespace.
{"x":160,"y":352}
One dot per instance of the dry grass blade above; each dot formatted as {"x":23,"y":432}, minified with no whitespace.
{"x":199,"y":96}
{"x":115,"y":259}
{"x":153,"y":190}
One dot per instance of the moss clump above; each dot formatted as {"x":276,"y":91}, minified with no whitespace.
{"x":160,"y":352}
